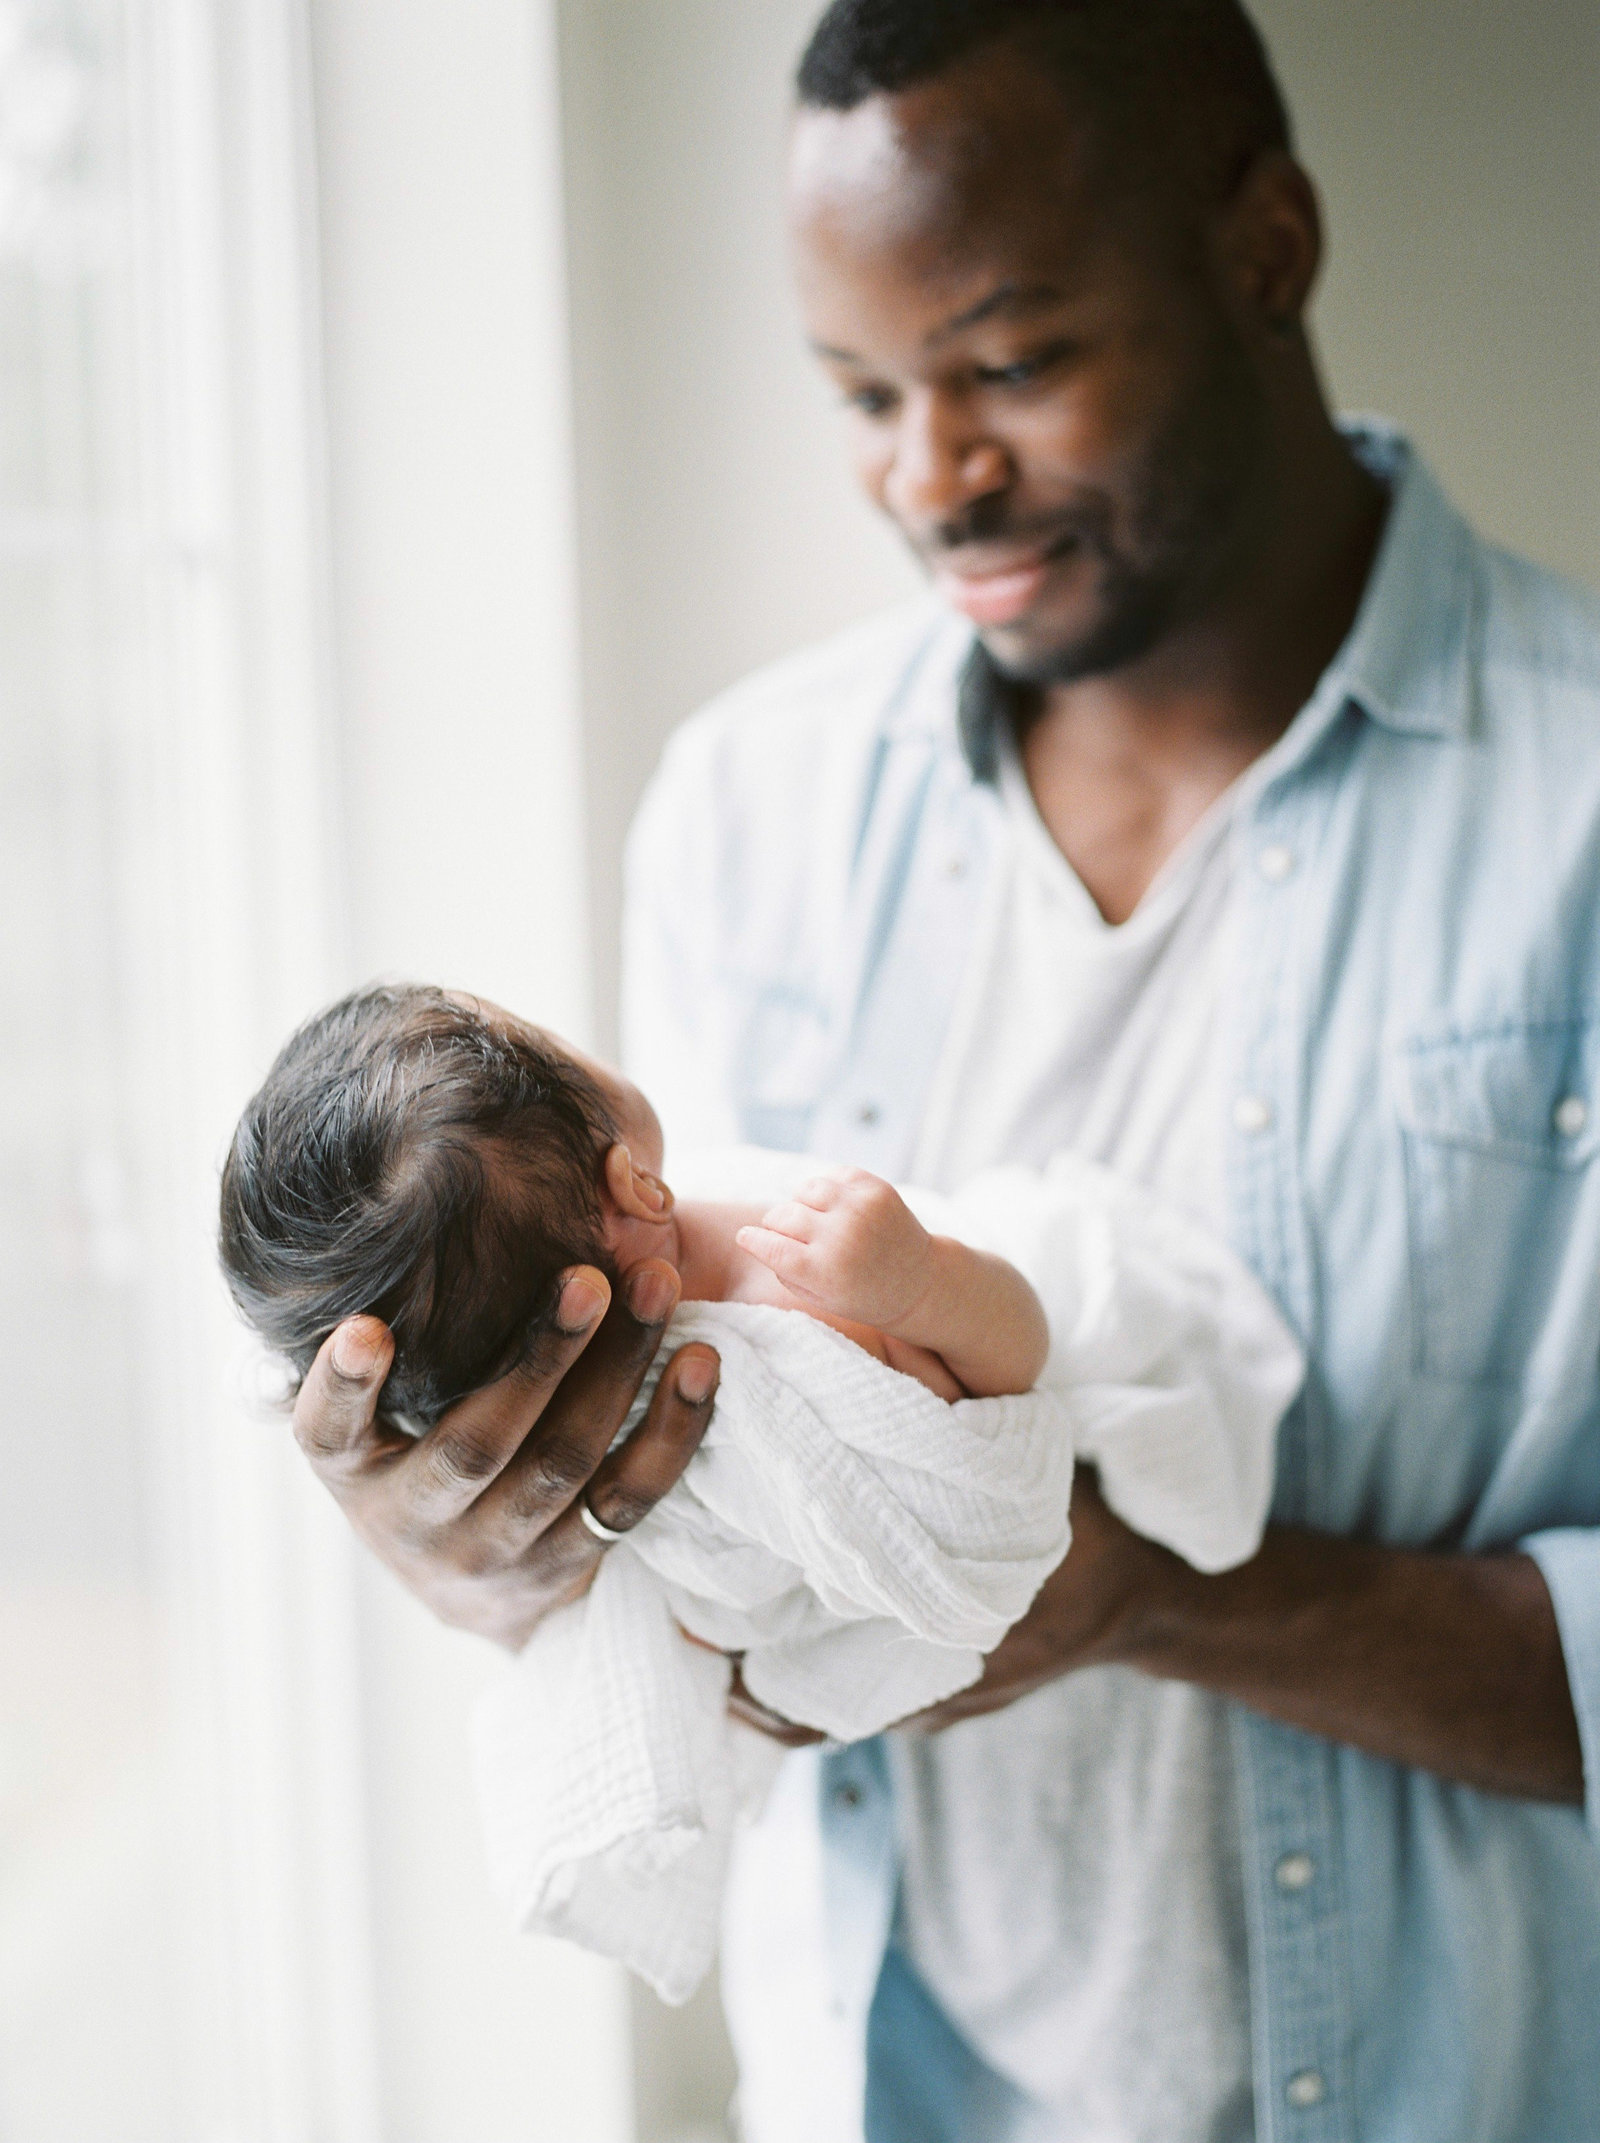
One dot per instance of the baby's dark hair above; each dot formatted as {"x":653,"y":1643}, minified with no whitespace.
{"x":411,"y":1157}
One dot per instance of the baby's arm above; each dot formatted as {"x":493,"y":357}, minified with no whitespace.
{"x":849,"y":1243}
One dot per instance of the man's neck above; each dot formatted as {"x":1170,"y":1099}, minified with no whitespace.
{"x":1123,"y":767}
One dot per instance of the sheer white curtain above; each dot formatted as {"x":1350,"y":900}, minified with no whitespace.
{"x":227,"y":1910}
{"x":182,"y":1911}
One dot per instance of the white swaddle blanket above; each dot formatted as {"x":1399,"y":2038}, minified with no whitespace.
{"x":862,"y":1543}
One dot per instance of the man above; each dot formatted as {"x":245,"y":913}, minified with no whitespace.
{"x":1234,"y":817}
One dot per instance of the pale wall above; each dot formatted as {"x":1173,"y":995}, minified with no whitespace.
{"x":717,"y":526}
{"x":1457,"y":143}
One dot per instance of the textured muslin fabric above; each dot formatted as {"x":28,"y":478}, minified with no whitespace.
{"x":862,"y":1544}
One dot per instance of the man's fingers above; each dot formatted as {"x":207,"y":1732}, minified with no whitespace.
{"x":580,"y":1421}
{"x":471,"y":1446}
{"x":1002,"y":1682}
{"x":972,"y":1703}
{"x":776,"y":1728}
{"x":335,"y":1412}
{"x":631,"y":1480}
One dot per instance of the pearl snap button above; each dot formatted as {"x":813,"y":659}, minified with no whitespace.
{"x":867,"y":1114}
{"x":1295,"y":1871}
{"x":1572,"y":1116}
{"x":1276,"y":863}
{"x":1306,"y":2089}
{"x":1252,"y":1113}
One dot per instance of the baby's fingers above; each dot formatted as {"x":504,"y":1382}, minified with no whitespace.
{"x":823,"y":1193}
{"x":793,"y":1218}
{"x":781,"y":1254}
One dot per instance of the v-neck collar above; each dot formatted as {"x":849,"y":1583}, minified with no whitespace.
{"x":1173,"y":883}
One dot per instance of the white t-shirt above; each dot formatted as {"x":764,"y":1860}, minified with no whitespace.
{"x":1073,"y":1895}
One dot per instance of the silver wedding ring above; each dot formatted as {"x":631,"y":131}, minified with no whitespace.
{"x":602,"y":1533}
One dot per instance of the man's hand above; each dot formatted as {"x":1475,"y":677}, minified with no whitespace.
{"x":1072,"y":1623}
{"x":1451,"y":1664}
{"x":751,"y":1712}
{"x":1081,"y":1617}
{"x":480,"y":1516}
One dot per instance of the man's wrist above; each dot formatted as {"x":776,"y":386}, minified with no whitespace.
{"x":1161,"y":1611}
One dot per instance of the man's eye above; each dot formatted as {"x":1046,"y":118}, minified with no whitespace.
{"x":870,"y":401}
{"x":1026,"y":369}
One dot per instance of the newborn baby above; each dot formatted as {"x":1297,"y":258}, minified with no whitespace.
{"x":885,"y":1480}
{"x":436,"y":1162}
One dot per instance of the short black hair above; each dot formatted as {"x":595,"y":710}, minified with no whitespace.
{"x":1185,"y":76}
{"x":412,"y":1158}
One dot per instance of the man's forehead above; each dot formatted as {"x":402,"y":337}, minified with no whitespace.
{"x":994,"y":125}
{"x":927,"y":190}
{"x":934,"y":273}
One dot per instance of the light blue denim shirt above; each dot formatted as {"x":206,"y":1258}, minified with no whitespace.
{"x":1411,"y":1165}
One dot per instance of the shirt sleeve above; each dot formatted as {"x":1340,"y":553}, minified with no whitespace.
{"x":1570,"y":1561}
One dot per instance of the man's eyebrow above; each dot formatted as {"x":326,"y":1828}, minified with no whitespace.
{"x":1011,"y":301}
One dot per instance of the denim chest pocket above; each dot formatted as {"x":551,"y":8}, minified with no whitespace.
{"x":1500,"y":1127}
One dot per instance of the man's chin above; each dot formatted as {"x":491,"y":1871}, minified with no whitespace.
{"x":1039,"y":650}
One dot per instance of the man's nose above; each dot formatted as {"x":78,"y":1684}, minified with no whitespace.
{"x":942,"y":462}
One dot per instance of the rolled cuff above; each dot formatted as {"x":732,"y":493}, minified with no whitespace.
{"x":1570,"y":1562}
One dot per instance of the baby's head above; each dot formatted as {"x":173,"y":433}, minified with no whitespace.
{"x":429,"y":1160}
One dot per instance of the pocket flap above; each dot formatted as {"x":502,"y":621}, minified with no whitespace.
{"x":1527,"y":1092}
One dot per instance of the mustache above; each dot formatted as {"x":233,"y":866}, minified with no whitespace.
{"x":1086,"y":525}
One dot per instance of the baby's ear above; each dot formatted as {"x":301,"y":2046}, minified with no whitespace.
{"x":633,"y":1190}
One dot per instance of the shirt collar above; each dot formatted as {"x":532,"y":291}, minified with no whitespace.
{"x":1408,"y":659}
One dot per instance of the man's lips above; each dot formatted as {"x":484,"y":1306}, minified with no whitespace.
{"x":998,"y":591}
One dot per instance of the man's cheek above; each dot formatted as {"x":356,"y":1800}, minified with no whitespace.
{"x":1089,"y":440}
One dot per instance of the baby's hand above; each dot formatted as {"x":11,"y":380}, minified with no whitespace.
{"x":849,"y":1243}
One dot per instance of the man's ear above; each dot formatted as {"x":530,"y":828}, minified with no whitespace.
{"x":633,"y":1191}
{"x":1271,"y":245}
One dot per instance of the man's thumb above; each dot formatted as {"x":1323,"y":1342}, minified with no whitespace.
{"x":359,"y":1345}
{"x":338,"y":1402}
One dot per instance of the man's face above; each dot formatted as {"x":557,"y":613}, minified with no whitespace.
{"x":1047,"y":392}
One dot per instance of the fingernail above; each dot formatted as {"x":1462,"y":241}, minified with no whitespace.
{"x":580,"y":1304}
{"x":697,"y":1379}
{"x":650,"y":1297}
{"x":356,"y":1347}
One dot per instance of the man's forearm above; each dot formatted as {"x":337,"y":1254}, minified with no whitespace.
{"x":1450,"y":1663}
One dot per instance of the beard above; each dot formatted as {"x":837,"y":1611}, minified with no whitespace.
{"x":1135,"y":609}
{"x":1165,"y":544}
